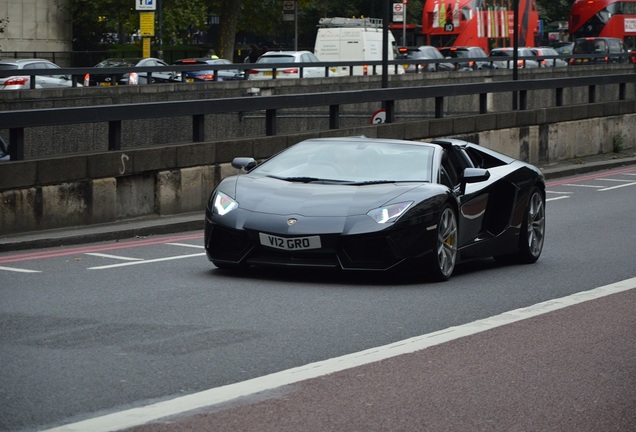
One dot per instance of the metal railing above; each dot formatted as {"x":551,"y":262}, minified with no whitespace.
{"x":76,"y":75}
{"x":18,"y":120}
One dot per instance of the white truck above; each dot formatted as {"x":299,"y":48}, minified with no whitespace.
{"x":354,"y":39}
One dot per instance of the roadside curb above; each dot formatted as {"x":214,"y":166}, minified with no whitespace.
{"x":158,"y":225}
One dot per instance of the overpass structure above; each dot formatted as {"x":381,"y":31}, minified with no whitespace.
{"x":90,"y":156}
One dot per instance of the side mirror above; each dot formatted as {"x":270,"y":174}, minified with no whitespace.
{"x":244,"y":163}
{"x":473,"y":175}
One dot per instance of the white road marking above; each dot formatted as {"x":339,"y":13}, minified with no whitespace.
{"x":581,"y":185}
{"x":613,"y":180}
{"x":145,"y":261}
{"x":142,"y":415}
{"x":557,"y":198}
{"x":616,"y":187}
{"x":19,"y":270}
{"x":113,"y":256}
{"x":558,"y":192}
{"x":187,"y":245}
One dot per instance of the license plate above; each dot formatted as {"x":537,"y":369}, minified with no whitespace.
{"x":268,"y":73}
{"x":190,"y":80}
{"x":290,"y":243}
{"x":104,"y":84}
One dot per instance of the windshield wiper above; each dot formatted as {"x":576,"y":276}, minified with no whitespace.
{"x":372,"y":182}
{"x":306,"y":179}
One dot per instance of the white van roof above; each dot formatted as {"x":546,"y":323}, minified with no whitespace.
{"x":350,"y":22}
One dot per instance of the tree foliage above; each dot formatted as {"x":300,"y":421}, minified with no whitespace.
{"x":96,"y":21}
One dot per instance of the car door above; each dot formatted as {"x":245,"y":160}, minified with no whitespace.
{"x":57,"y":80}
{"x":473,"y":199}
{"x":41,"y":81}
{"x":311,"y":71}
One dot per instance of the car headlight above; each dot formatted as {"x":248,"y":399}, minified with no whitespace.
{"x":223,"y":204}
{"x":389,"y":213}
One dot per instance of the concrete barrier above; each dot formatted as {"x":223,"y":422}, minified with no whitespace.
{"x":172,"y":179}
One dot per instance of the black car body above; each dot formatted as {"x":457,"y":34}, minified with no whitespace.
{"x":377,"y":204}
{"x":126,"y":65}
{"x":593,"y":50}
{"x":476,"y":57}
{"x":211,"y":74}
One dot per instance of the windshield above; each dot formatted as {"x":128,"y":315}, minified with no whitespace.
{"x":276,"y":59}
{"x":118,"y":63}
{"x":351,"y":161}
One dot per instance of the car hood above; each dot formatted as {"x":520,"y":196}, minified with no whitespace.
{"x":274,"y":196}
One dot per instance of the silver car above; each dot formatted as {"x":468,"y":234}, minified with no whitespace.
{"x":503,"y":58}
{"x":295,"y":59}
{"x":21,"y":80}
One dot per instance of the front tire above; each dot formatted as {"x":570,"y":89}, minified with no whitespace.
{"x":442,"y":262}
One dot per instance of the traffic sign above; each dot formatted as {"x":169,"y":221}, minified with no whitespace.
{"x":146,"y":5}
{"x":378,"y":117}
{"x":398,"y":12}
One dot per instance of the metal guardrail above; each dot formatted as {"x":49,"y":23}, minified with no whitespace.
{"x":374,"y":67}
{"x":18,"y":120}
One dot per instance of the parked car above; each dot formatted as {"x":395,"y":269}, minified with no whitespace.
{"x":296,"y":61}
{"x":549,"y":62}
{"x":124,"y":78}
{"x":468,"y":52}
{"x":600,"y":50}
{"x":358,"y":203}
{"x":503,"y":58}
{"x":19,"y":81}
{"x":430,"y":60}
{"x":208,"y":74}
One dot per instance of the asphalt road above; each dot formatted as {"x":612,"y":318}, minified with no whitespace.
{"x":107,"y":327}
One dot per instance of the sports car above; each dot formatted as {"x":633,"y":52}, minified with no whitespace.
{"x":358,"y":203}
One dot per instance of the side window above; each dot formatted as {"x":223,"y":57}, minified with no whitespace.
{"x":448,"y":174}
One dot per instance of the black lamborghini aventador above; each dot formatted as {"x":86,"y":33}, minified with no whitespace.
{"x":377,"y":204}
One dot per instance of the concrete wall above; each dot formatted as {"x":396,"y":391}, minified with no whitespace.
{"x":165,"y":180}
{"x":57,"y":141}
{"x":36,"y":25}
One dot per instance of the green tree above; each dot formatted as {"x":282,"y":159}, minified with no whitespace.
{"x":554,"y":10}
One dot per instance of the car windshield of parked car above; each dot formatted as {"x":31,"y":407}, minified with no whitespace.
{"x":590,"y":47}
{"x":356,"y":162}
{"x":276,"y":59}
{"x":117,"y":62}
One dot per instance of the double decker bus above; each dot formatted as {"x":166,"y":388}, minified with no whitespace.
{"x":484,"y":23}
{"x":604,"y":18}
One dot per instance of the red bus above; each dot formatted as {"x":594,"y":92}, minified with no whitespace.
{"x":484,"y":23}
{"x":604,"y":18}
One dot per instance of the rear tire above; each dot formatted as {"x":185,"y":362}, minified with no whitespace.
{"x":532,"y":232}
{"x":441,"y":263}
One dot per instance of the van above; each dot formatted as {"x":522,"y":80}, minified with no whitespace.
{"x":612,"y":50}
{"x":354,"y":39}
